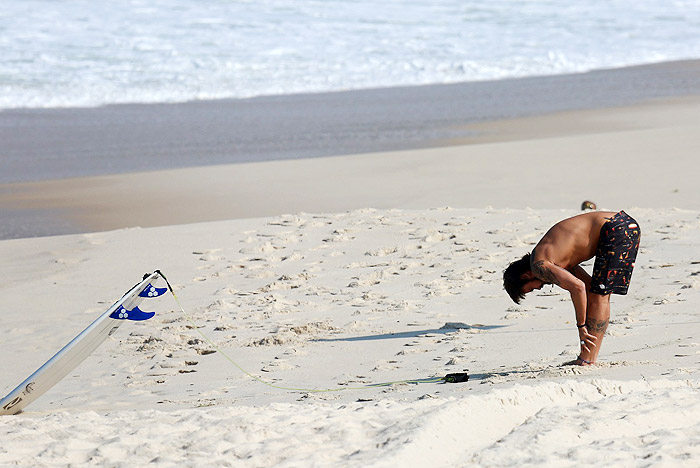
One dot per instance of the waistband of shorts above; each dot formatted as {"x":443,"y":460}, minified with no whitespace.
{"x":619,"y":218}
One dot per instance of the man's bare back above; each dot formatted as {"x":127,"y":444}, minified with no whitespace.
{"x":571,"y":241}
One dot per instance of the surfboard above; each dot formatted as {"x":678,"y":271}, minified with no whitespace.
{"x":80,"y":347}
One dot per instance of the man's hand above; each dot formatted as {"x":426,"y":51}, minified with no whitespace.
{"x":587,"y":340}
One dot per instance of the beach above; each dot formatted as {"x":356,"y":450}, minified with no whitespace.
{"x":81,"y":170}
{"x":309,"y":275}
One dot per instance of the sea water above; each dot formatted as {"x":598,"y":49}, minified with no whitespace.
{"x":62,"y":53}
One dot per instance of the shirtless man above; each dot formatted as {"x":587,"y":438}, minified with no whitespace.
{"x":613,"y":238}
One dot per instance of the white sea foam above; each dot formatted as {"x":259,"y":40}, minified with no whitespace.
{"x":86,"y":53}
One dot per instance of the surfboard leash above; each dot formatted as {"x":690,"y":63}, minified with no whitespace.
{"x":449,"y":378}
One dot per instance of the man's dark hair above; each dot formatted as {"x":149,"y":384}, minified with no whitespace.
{"x":512,"y":278}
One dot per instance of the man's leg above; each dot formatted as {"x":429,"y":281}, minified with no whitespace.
{"x":597,"y":318}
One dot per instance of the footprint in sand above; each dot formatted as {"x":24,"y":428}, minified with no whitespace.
{"x":339,"y":235}
{"x":208,"y":255}
{"x":278,"y":365}
{"x":266,"y":248}
{"x":382,"y":252}
{"x":296,"y":220}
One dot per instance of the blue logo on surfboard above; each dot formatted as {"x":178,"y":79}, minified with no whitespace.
{"x":134,"y":314}
{"x":152,"y":291}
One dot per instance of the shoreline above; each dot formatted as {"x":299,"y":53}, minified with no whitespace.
{"x":185,"y":163}
{"x":577,"y":155}
{"x":382,"y":282}
{"x":49,"y":144}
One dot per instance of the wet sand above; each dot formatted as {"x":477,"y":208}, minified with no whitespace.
{"x":79,"y":170}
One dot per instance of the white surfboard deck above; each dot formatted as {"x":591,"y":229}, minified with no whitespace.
{"x":72,"y":354}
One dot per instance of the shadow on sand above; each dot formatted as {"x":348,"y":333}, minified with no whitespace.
{"x":449,"y":327}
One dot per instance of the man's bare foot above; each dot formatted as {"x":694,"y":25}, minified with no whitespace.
{"x":579,"y":362}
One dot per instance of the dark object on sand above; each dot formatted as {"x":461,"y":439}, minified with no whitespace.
{"x":588,"y":205}
{"x":456,"y":378}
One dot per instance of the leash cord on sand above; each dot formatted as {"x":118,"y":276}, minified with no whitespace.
{"x":448,"y":378}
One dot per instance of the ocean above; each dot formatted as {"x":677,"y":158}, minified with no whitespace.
{"x":86,"y":53}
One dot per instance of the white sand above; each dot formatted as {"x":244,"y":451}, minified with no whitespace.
{"x":344,"y":299}
{"x":326,"y":301}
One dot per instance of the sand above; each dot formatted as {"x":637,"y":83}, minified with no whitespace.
{"x":613,"y":156}
{"x":108,"y":165}
{"x":390,"y":270}
{"x":330,"y":301}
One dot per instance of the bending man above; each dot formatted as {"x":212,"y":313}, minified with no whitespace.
{"x":613,"y":238}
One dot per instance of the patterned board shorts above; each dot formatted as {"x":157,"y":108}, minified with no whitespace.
{"x":615,"y":256}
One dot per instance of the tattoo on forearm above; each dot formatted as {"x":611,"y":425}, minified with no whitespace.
{"x":544,"y":273}
{"x":596,"y":326}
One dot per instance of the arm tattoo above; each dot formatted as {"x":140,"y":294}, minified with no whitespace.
{"x":596,"y":326}
{"x":544,"y":273}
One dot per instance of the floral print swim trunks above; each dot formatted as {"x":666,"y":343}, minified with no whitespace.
{"x":615,"y":256}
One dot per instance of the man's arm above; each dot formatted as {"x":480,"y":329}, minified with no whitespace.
{"x":581,"y":274}
{"x":575,"y":283}
{"x":551,"y":273}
